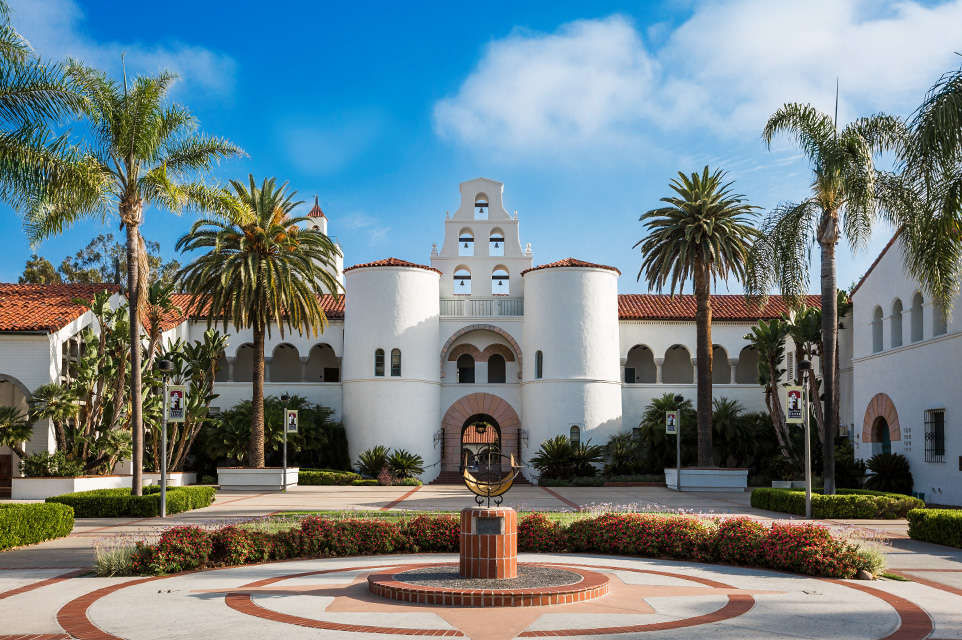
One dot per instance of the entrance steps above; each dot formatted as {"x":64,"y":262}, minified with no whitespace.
{"x":453,"y":477}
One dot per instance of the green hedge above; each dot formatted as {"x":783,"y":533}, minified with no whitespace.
{"x":365,"y":482}
{"x":22,"y":524}
{"x":941,"y":526}
{"x":847,"y":503}
{"x":326,"y":477}
{"x":117,"y":503}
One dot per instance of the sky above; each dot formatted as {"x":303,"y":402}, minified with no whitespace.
{"x":585,"y":111}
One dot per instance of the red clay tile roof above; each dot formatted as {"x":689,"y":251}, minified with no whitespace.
{"x":391,"y":262}
{"x":682,"y":307}
{"x":875,"y":264}
{"x":333,"y":309}
{"x":44,"y":307}
{"x":316,"y":210}
{"x":571,"y":262}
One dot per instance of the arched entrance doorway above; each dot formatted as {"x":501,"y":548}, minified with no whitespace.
{"x":13,"y":393}
{"x":464,"y":413}
{"x":881,"y":439}
{"x":481,"y":446}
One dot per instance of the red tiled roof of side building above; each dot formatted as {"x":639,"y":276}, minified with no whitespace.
{"x":571,"y":262}
{"x":44,"y":307}
{"x":333,"y":309}
{"x":391,"y":262}
{"x":682,"y":307}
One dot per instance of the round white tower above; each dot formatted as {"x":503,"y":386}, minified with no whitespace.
{"x":392,"y":391}
{"x":570,"y":382}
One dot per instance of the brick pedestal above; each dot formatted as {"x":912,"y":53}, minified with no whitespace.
{"x":489,"y":543}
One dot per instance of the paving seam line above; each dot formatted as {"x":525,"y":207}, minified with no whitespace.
{"x":394,"y":503}
{"x":42,"y":583}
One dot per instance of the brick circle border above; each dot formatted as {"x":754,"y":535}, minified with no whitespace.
{"x":914,"y":622}
{"x":384,"y":585}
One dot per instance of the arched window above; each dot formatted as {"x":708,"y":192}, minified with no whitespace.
{"x":877,"y":330}
{"x":916,"y":317}
{"x":462,"y":281}
{"x":500,"y":282}
{"x":640,"y":366}
{"x":746,"y":371}
{"x":286,"y":364}
{"x":379,"y":363}
{"x":395,"y":362}
{"x":244,"y":363}
{"x":721,"y":371}
{"x":466,"y":243}
{"x":538,"y":365}
{"x":481,"y":207}
{"x":496,"y":242}
{"x":897,"y":324}
{"x":939,"y":325}
{"x":575,"y":435}
{"x":496,"y":369}
{"x":677,"y":367}
{"x":465,"y":369}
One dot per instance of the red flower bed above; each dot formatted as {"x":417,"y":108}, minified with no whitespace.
{"x":800,"y":548}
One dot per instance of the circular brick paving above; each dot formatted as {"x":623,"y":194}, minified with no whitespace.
{"x":392,"y":585}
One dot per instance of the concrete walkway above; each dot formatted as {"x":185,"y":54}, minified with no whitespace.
{"x":40,"y":588}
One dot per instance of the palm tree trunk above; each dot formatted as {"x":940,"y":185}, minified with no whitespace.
{"x":703,"y":353}
{"x":829,"y":340}
{"x":257,"y":402}
{"x":136,"y":406}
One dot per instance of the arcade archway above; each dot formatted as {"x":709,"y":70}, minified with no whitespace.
{"x":460,"y":420}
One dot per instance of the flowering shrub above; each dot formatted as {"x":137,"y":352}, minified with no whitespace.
{"x":538,"y":534}
{"x":807,"y":549}
{"x":433,"y":533}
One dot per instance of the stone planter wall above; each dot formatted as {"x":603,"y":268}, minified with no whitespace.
{"x":43,"y":488}
{"x":174,"y":478}
{"x":701,"y":479}
{"x":242,"y":479}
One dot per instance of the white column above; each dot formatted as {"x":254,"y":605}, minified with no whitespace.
{"x":230,"y":368}
{"x":304,"y":368}
{"x":734,"y":365}
{"x":267,"y":368}
{"x":658,"y":363}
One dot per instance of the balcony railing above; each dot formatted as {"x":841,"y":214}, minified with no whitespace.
{"x":486,"y":307}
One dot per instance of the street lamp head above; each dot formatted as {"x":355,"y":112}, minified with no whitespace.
{"x":165,"y":366}
{"x":804,"y":365}
{"x":679,"y":399}
{"x":285,"y":398}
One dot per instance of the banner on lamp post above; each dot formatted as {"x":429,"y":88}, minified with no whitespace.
{"x":290,"y":420}
{"x":794,"y":405}
{"x":176,"y":403}
{"x":671,"y":422}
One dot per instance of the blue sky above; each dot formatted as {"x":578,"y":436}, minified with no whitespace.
{"x":584,"y":110}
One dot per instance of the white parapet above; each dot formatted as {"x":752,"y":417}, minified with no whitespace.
{"x":731,"y":480}
{"x":43,"y":488}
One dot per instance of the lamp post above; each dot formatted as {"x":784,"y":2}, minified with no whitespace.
{"x":166,"y":367}
{"x":805,"y":369}
{"x":285,"y":398}
{"x":678,"y":400}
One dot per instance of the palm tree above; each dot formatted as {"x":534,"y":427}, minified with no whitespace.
{"x":702,"y":234}
{"x":15,"y":429}
{"x":58,"y":404}
{"x":33,"y":96}
{"x":260,"y":268}
{"x":932,"y":160}
{"x":848,"y":195}
{"x":140,"y":151}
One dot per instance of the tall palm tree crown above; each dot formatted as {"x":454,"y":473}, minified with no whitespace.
{"x":260,"y":268}
{"x":702,"y":235}
{"x":139,"y":151}
{"x":848,"y":196}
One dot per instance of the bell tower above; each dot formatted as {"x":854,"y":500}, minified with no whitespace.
{"x":481,"y":256}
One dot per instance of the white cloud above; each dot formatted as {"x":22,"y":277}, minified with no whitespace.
{"x":364,"y":225}
{"x":55,"y":30}
{"x":594,"y":83}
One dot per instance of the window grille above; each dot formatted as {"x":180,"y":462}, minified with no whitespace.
{"x":935,"y":435}
{"x":395,"y":362}
{"x":379,"y":363}
{"x":538,"y":364}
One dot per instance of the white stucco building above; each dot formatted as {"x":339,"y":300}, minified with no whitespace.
{"x":416,"y":355}
{"x":901,"y":386}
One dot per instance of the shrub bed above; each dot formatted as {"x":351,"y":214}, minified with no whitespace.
{"x":847,"y":503}
{"x":23,"y":524}
{"x":117,"y":503}
{"x":941,"y":526}
{"x":315,"y":477}
{"x":802,"y":548}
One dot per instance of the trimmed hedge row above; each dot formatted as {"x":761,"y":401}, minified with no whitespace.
{"x":847,"y":503}
{"x":117,"y":503}
{"x":941,"y":526}
{"x":315,"y":477}
{"x":23,"y":524}
{"x":802,"y":548}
